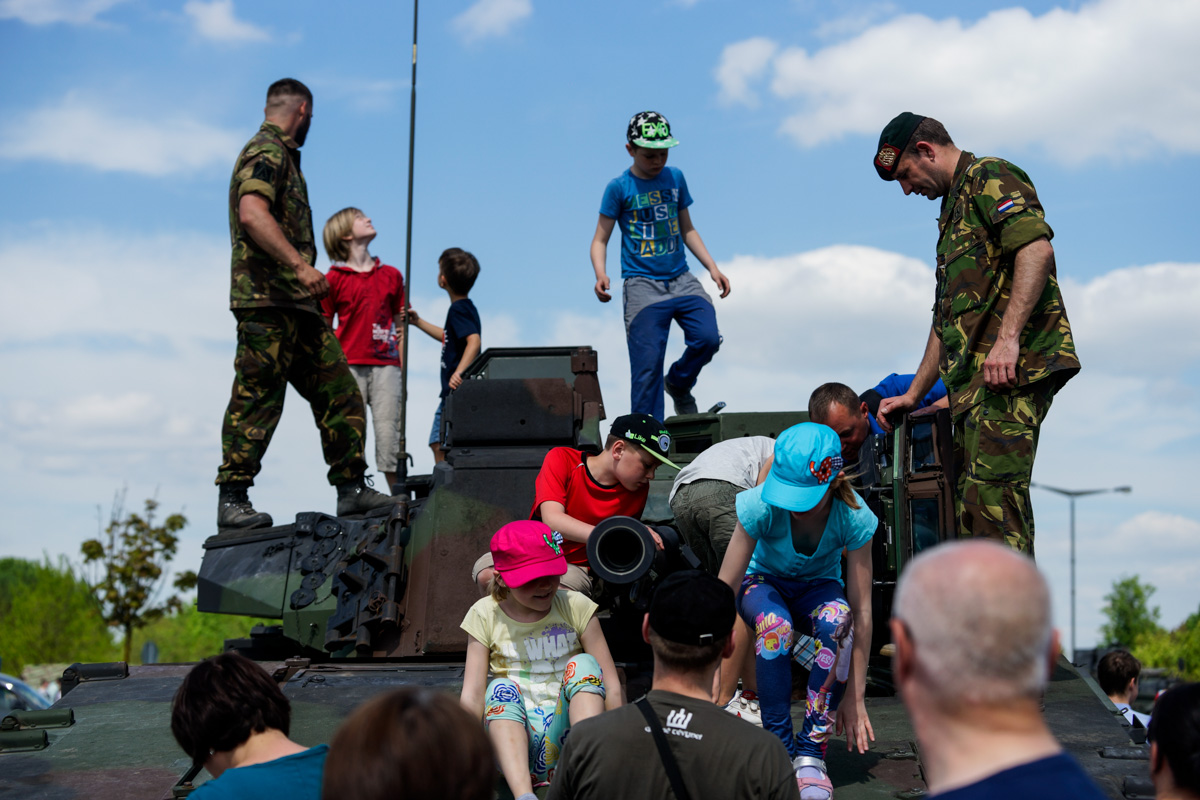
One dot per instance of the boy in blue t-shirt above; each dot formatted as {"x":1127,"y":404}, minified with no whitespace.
{"x":651,"y":201}
{"x":460,"y":338}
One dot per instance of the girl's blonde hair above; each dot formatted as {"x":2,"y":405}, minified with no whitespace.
{"x":338,"y":227}
{"x":842,"y":490}
{"x":497,"y":588}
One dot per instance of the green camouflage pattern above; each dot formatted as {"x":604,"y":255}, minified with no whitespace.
{"x":991,"y":212}
{"x":995,"y":444}
{"x":277,"y":347}
{"x":269,"y":165}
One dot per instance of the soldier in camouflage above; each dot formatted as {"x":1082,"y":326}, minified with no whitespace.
{"x":282,"y":337}
{"x":1000,"y":336}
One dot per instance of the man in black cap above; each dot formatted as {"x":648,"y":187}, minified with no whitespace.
{"x":710,"y":752}
{"x":1000,"y":336}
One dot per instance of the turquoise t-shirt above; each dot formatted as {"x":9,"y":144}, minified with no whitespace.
{"x":774,"y":554}
{"x":296,"y":777}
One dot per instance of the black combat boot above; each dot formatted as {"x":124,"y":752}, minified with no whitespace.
{"x":357,"y":497}
{"x":682,"y":398}
{"x":234,"y":509}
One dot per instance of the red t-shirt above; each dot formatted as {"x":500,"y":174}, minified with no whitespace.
{"x":564,"y":478}
{"x":365,"y":304}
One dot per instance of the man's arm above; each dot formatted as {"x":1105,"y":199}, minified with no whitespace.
{"x":923,"y":381}
{"x":1031,"y":269}
{"x":853,"y":715}
{"x":254,"y":215}
{"x":599,"y":254}
{"x":469,"y":352}
{"x":691,"y":238}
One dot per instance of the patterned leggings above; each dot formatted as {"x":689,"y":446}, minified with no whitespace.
{"x":505,"y":700}
{"x":776,"y":608}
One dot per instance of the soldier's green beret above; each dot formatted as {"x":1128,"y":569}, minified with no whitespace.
{"x":892,"y":142}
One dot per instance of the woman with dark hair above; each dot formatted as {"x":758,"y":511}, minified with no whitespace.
{"x":232,"y":718}
{"x":1174,"y":738}
{"x":416,"y":744}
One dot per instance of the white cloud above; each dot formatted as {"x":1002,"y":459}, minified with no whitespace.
{"x":82,"y":131}
{"x":216,"y":20}
{"x":46,"y":12}
{"x":1110,"y":79}
{"x":741,"y":63}
{"x":488,"y":18}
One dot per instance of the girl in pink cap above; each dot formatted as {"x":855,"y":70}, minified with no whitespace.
{"x":549,"y":662}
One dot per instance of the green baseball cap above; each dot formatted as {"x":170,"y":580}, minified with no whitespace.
{"x":892,"y":141}
{"x":650,"y":129}
{"x":646,"y":431}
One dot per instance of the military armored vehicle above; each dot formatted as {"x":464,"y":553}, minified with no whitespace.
{"x":365,"y":604}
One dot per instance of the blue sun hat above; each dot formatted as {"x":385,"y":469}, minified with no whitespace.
{"x":808,"y":457}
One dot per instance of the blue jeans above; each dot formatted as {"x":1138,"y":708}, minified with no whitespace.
{"x":775,"y":608}
{"x":647,"y":340}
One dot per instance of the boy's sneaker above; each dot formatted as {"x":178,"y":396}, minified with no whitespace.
{"x":234,"y":509}
{"x":745,"y":705}
{"x":682,"y":398}
{"x":357,"y":497}
{"x":812,"y":778}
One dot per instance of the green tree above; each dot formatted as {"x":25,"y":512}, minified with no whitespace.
{"x":191,"y":635}
{"x":129,"y":563}
{"x":50,"y":615}
{"x":1177,"y":651}
{"x":1129,"y":614}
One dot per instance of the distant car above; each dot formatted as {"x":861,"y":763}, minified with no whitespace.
{"x":16,"y":695}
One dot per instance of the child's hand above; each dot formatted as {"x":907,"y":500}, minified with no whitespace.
{"x":456,"y":380}
{"x":602,"y":290}
{"x":409,"y":314}
{"x":658,"y":542}
{"x":722,"y":282}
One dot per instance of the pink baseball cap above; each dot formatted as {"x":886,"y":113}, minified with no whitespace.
{"x":526,"y":550}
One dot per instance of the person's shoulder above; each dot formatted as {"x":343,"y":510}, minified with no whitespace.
{"x":574,"y":605}
{"x":675,"y":172}
{"x":993,"y":168}
{"x":753,"y":512}
{"x":1044,"y":779}
{"x":559,"y":456}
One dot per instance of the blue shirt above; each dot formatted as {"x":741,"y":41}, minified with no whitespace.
{"x":894,"y":385}
{"x":647,"y":212}
{"x":1050,"y":778}
{"x":461,"y":321}
{"x":774,"y":553}
{"x":296,"y":777}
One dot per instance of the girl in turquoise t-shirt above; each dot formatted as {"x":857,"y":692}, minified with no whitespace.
{"x":785,"y":558}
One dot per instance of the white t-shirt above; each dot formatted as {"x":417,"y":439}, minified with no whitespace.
{"x":735,"y":461}
{"x":533,"y":655}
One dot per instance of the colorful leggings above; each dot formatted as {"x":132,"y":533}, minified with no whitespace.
{"x":504,"y":700}
{"x":776,"y":608}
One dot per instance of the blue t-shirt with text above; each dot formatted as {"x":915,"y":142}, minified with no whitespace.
{"x":461,"y":321}
{"x":647,"y":212}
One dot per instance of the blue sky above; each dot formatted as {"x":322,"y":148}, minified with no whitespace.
{"x":120,"y":121}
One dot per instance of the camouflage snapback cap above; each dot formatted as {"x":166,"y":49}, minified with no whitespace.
{"x":892,"y":142}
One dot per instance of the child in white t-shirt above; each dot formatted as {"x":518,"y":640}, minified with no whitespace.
{"x":549,"y":661}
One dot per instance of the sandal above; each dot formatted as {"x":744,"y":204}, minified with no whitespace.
{"x":814,"y":783}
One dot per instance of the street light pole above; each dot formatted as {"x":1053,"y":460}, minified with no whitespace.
{"x":1071,"y":494}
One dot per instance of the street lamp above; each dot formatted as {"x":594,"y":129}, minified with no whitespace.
{"x":1071,"y":494}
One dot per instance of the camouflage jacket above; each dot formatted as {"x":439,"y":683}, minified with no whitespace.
{"x":269,"y":165}
{"x":991,"y":212}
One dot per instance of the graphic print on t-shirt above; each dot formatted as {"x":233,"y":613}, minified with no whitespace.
{"x":654,"y":222}
{"x":554,"y":642}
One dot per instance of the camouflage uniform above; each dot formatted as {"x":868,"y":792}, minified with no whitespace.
{"x":282,"y":337}
{"x":992,"y":211}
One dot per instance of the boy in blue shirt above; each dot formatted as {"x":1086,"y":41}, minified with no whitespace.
{"x":460,"y":336}
{"x":651,"y":202}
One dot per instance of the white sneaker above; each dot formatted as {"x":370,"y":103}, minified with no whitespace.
{"x":745,"y":705}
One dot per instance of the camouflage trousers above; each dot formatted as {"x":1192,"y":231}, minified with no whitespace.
{"x":995,"y":442}
{"x":278,"y":346}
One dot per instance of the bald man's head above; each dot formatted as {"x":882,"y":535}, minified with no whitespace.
{"x":977,"y":615}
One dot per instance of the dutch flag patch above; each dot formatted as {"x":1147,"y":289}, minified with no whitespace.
{"x":1007,"y":204}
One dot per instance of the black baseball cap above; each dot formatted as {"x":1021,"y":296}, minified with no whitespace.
{"x":895,"y":137}
{"x":692,"y":607}
{"x":650,"y":129}
{"x":646,"y":431}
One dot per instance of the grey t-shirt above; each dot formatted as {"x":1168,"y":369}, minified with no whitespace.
{"x":720,"y":756}
{"x":735,"y":461}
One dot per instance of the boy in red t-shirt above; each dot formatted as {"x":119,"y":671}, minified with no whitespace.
{"x":575,"y":492}
{"x":368,"y":297}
